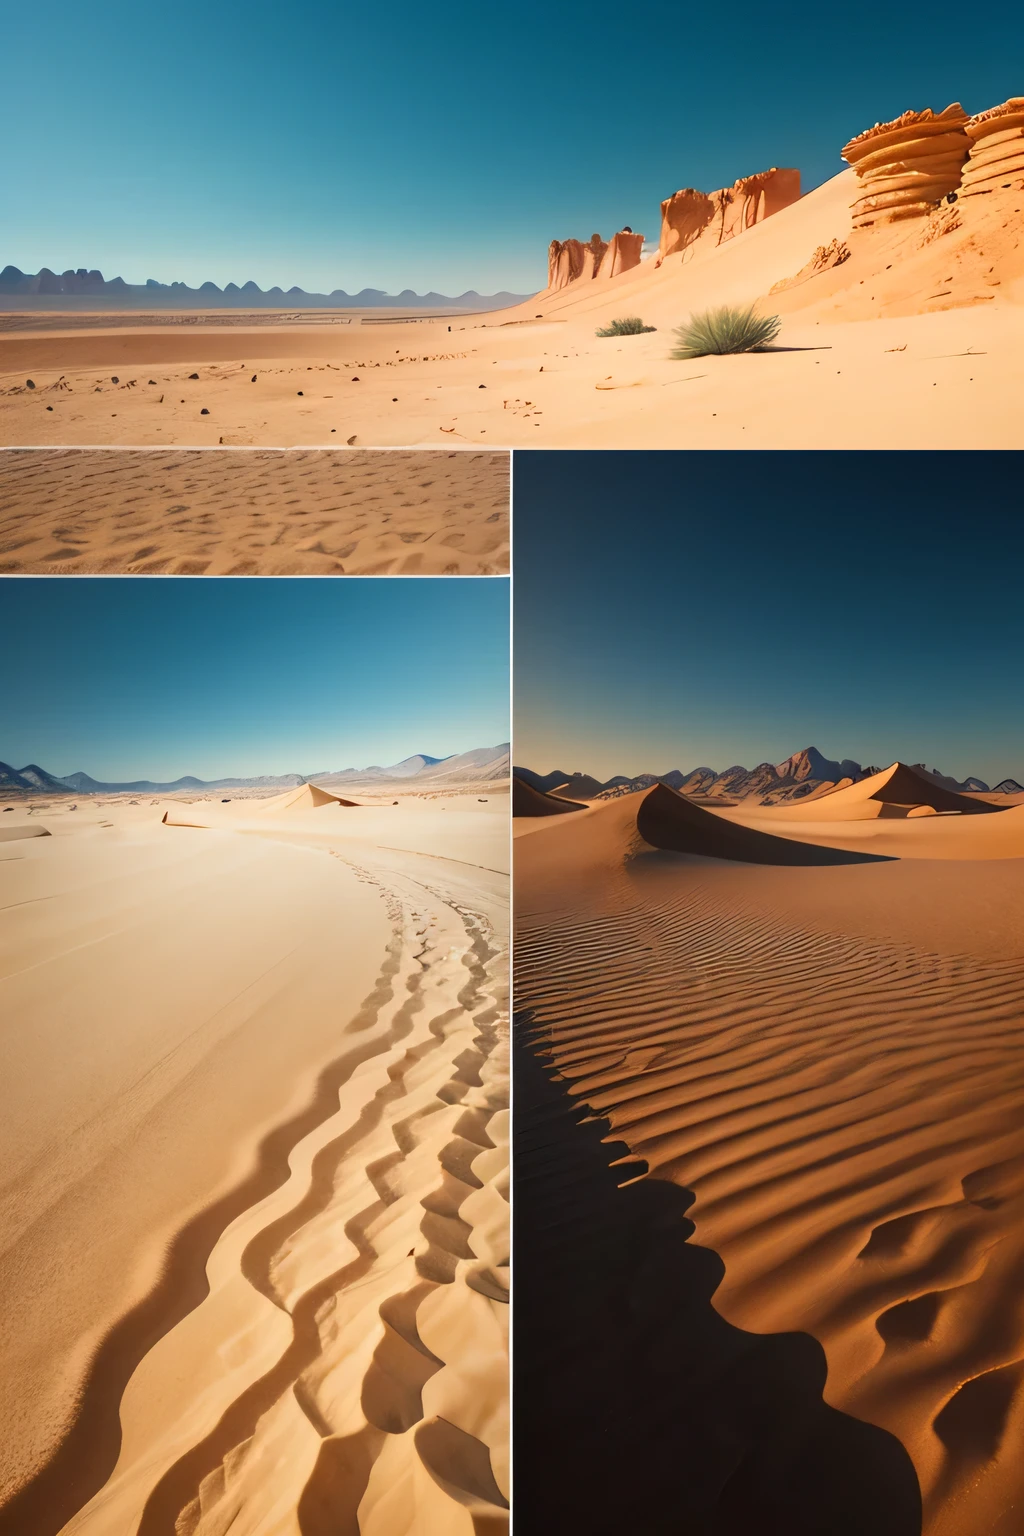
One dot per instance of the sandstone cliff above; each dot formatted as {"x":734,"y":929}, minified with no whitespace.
{"x":997,"y":149}
{"x":570,"y":261}
{"x":905,"y":167}
{"x":622,"y":253}
{"x":711,"y":218}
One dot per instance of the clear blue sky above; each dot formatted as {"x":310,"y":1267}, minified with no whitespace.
{"x":136,"y":678}
{"x":339,"y":145}
{"x":682,"y":610}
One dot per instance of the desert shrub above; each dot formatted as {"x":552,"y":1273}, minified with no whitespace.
{"x":632,"y":325}
{"x":728,"y":329}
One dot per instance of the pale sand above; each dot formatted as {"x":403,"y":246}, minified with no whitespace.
{"x":902,"y":346}
{"x":832,"y":1060}
{"x":171,"y":512}
{"x":254,"y":1232}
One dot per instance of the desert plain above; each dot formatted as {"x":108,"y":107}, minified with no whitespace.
{"x":254,"y":1249}
{"x":899,"y":284}
{"x":770,"y":1099}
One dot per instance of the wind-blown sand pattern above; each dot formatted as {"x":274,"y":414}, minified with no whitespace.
{"x":831,"y":1060}
{"x":255,"y":1233}
{"x":72,"y":511}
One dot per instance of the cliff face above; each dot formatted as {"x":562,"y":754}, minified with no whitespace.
{"x":996,"y":140}
{"x":622,"y":253}
{"x":905,"y":167}
{"x":570,"y":261}
{"x":711,"y":218}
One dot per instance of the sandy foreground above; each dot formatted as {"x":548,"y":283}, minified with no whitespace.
{"x":174,"y":512}
{"x":254,"y":1235}
{"x":915,"y":341}
{"x":826,"y":1063}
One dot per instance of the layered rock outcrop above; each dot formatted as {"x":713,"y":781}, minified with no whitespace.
{"x":997,"y":149}
{"x":711,"y":218}
{"x":905,"y":167}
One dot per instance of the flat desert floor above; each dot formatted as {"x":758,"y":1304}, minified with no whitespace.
{"x":916,"y":340}
{"x":313,"y":512}
{"x":807,"y":1052}
{"x":254,"y":1241}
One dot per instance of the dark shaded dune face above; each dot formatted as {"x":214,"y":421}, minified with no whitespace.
{"x":828,"y":1065}
{"x":581,"y":784}
{"x":638,"y":1407}
{"x":668,"y":820}
{"x":905,"y":786}
{"x":527,"y":801}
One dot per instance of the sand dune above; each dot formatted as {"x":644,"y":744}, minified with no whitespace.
{"x":303,"y":1065}
{"x":527,"y":801}
{"x":830,"y":1061}
{"x":265,"y":513}
{"x":908,"y":335}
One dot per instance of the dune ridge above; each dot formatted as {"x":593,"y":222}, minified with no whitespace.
{"x":831,"y":1060}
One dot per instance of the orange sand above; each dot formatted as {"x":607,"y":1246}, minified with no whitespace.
{"x":915,"y":341}
{"x":259,"y":513}
{"x":832,"y":1059}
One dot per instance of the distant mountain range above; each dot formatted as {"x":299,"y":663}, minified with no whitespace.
{"x":804,"y":774}
{"x":481,"y":764}
{"x":85,"y":290}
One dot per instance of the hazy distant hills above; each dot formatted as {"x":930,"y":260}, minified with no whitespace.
{"x":483,"y":764}
{"x":82,"y":289}
{"x":805,"y":773}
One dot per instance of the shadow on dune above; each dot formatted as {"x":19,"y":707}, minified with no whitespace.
{"x":666,"y":819}
{"x":637,"y":1408}
{"x":527,"y":801}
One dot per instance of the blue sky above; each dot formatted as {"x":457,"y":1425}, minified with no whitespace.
{"x":341,"y":145}
{"x":129,"y":679}
{"x":707,"y":609}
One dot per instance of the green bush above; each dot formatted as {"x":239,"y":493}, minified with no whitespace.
{"x":632,"y":325}
{"x":729,"y":329}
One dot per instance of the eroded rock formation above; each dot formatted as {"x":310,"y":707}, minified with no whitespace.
{"x":569,"y":260}
{"x":622,"y":253}
{"x":906,"y":167}
{"x":824,"y":258}
{"x":712,"y":218}
{"x":997,"y":149}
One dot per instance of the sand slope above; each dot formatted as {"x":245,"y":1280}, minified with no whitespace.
{"x":263,"y":513}
{"x":303,"y":1065}
{"x":832,"y":1061}
{"x":915,"y":340}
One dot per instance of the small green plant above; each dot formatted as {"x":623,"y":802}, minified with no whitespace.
{"x":632,"y":325}
{"x":728,"y":329}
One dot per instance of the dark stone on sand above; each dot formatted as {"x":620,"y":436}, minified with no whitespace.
{"x":30,"y":383}
{"x":204,"y":411}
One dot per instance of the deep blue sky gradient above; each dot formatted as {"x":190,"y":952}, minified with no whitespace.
{"x":674,"y":610}
{"x":152,"y":678}
{"x":341,"y":145}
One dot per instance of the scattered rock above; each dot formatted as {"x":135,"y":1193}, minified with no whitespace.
{"x":204,"y":411}
{"x":30,"y":383}
{"x":114,"y":379}
{"x":191,"y":376}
